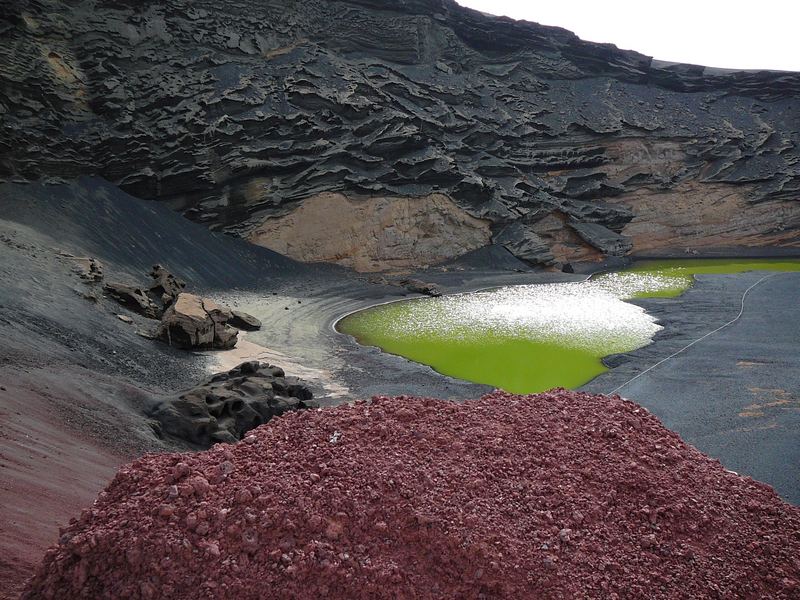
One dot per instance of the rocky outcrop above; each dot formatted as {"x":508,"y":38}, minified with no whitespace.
{"x":133,"y":298}
{"x":87,"y":268}
{"x":196,"y":323}
{"x":374,"y":233}
{"x":240,"y":114}
{"x":608,"y":242}
{"x":242,"y":320}
{"x":525,"y":244}
{"x":421,"y":287}
{"x":230,"y":404}
{"x":165,"y":285}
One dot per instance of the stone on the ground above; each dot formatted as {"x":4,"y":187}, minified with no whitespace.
{"x":197,"y":323}
{"x":87,"y":268}
{"x":421,"y":287}
{"x":165,"y":285}
{"x":230,"y":404}
{"x":243,"y":320}
{"x":133,"y":298}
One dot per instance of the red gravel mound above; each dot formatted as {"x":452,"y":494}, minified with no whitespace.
{"x":558,"y":495}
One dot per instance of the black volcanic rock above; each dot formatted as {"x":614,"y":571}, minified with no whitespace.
{"x":133,"y":298}
{"x":230,"y":404}
{"x":602,"y":238}
{"x":524,"y":244}
{"x":234,"y":112}
{"x":243,"y":320}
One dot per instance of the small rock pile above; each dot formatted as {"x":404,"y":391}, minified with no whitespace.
{"x":187,"y":321}
{"x":557,"y":495}
{"x":230,"y":404}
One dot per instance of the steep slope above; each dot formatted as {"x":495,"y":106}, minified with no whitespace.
{"x":236,"y":112}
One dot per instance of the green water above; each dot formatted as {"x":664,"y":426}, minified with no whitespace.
{"x":530,"y":338}
{"x":685,"y":270}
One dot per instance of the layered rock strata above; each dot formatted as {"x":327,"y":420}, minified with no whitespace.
{"x":240,"y":113}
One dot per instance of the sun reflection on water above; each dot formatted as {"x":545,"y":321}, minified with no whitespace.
{"x":528,"y":338}
{"x":590,"y":315}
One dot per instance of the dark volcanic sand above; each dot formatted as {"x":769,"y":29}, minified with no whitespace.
{"x":557,"y":495}
{"x":736,"y":394}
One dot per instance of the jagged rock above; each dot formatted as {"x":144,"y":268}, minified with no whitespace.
{"x":166,"y":285}
{"x":602,"y":238}
{"x":192,"y":322}
{"x":421,"y":287}
{"x":524,"y":244}
{"x":87,"y":268}
{"x":230,"y":404}
{"x":242,"y":320}
{"x":237,"y":113}
{"x":133,"y":298}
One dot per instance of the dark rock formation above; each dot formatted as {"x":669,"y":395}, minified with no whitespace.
{"x":196,"y":323}
{"x":230,"y":404}
{"x":236,"y":112}
{"x":133,"y":298}
{"x":421,"y":287}
{"x":89,"y":269}
{"x":242,"y":320}
{"x":523,"y":243}
{"x":165,"y":285}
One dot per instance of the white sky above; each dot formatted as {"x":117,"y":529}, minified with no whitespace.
{"x":734,"y":34}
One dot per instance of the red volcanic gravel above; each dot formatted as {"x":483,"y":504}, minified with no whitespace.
{"x":557,"y":495}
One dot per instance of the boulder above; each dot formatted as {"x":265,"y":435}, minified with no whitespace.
{"x":87,"y":268}
{"x":524,"y":244}
{"x":196,"y":323}
{"x":421,"y":287}
{"x":601,"y":237}
{"x":165,"y":285}
{"x":230,"y":404}
{"x":133,"y":298}
{"x":242,"y":320}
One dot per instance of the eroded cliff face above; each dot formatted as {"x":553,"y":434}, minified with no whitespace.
{"x":374,"y":233}
{"x":238,"y":112}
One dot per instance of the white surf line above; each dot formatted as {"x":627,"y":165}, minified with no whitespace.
{"x":700,"y":339}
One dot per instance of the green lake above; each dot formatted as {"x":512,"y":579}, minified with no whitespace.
{"x":530,"y":338}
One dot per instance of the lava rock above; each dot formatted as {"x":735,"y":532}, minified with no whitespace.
{"x":87,"y":268}
{"x":133,"y":298}
{"x":420,"y":287}
{"x":550,"y":496}
{"x":242,"y":320}
{"x":509,"y":119}
{"x":230,"y":404}
{"x":166,"y":285}
{"x":602,"y":238}
{"x":192,"y":322}
{"x":524,"y":244}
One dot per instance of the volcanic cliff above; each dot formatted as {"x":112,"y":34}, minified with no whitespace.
{"x":398,"y":126}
